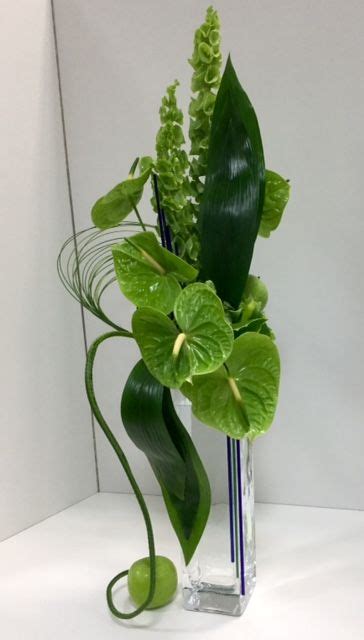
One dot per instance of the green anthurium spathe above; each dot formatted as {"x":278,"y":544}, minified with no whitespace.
{"x":112,"y":208}
{"x":275,"y":199}
{"x":255,"y":298}
{"x":239,"y":398}
{"x":255,"y":290}
{"x":197,"y":342}
{"x":148,"y":274}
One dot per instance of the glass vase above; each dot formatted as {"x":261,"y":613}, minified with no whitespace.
{"x":221,"y":575}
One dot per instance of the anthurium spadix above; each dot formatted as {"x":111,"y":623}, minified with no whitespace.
{"x":148,"y":274}
{"x":197,"y":342}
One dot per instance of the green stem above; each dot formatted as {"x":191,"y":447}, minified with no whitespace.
{"x":139,"y":218}
{"x":124,"y":462}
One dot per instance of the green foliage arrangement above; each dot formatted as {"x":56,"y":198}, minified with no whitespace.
{"x":200,"y":320}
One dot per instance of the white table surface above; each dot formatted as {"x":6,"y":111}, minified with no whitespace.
{"x":310,"y":582}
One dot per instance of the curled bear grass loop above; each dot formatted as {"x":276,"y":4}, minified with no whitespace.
{"x":85,"y":266}
{"x":134,"y":485}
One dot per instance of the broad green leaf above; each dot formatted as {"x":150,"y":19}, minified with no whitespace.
{"x":148,"y":274}
{"x":239,"y":399}
{"x":112,"y":208}
{"x":275,"y":199}
{"x":198,"y":342}
{"x":152,"y":424}
{"x":233,"y":196}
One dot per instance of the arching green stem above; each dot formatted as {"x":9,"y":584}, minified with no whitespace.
{"x":136,"y":211}
{"x":125,"y":464}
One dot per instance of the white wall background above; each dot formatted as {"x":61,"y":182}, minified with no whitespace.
{"x":301,"y":63}
{"x":46,"y":449}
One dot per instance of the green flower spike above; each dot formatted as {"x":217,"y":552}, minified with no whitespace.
{"x":173,"y":184}
{"x":206,"y":62}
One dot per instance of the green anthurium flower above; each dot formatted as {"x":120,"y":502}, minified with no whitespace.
{"x":249,"y":313}
{"x":198,"y":342}
{"x":112,"y":208}
{"x":148,"y":274}
{"x":255,"y":290}
{"x":275,"y":199}
{"x":240,"y":397}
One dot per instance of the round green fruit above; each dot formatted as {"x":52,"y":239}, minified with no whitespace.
{"x":139,"y":580}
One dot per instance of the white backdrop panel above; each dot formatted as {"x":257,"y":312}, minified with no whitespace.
{"x":301,"y":63}
{"x":46,"y":447}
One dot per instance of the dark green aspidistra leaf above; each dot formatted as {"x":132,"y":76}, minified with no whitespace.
{"x":152,"y":424}
{"x":276,"y":197}
{"x":232,"y":201}
{"x":148,"y":274}
{"x":112,"y":208}
{"x":188,"y":517}
{"x":142,"y":414}
{"x":198,"y":342}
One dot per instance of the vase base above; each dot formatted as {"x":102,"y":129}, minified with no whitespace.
{"x":212,"y":600}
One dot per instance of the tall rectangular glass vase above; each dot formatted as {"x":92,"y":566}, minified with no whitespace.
{"x":221,"y":575}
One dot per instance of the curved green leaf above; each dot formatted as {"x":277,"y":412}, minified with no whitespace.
{"x":239,"y":399}
{"x":144,"y":423}
{"x":276,"y":197}
{"x":152,"y":424}
{"x":233,"y":196}
{"x":148,"y":274}
{"x":199,"y":341}
{"x":112,"y":208}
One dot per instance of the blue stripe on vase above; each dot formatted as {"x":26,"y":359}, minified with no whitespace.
{"x":241,"y":521}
